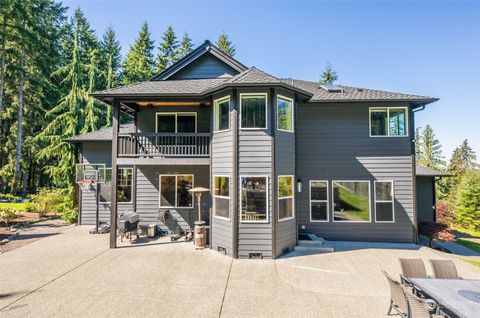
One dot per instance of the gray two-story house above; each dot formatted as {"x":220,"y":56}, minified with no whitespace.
{"x":279,"y":155}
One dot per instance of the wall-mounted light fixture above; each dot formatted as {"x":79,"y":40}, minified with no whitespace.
{"x":299,"y":185}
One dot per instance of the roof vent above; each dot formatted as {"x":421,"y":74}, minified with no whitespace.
{"x":332,"y":88}
{"x":225,"y":75}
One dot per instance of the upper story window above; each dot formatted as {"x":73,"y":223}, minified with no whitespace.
{"x":222,"y":114}
{"x":388,"y":121}
{"x":176,"y":123}
{"x":253,"y":111}
{"x":284,"y":113}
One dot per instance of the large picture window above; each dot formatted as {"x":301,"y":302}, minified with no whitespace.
{"x":174,"y":191}
{"x":351,"y":201}
{"x":388,"y":121}
{"x":254,"y":199}
{"x":284,"y":113}
{"x":124,"y":186}
{"x":285,"y":198}
{"x":222,"y":114}
{"x":253,"y":111}
{"x":318,"y":201}
{"x":176,"y":123}
{"x":384,"y":200}
{"x":221,"y":197}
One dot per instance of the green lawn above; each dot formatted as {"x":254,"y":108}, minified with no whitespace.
{"x":15,"y":206}
{"x":473,"y":244}
{"x":475,"y":263}
{"x":467,"y":231}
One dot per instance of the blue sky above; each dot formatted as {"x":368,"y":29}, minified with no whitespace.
{"x":427,"y":48}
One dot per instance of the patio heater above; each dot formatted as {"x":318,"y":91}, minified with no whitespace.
{"x":199,"y":234}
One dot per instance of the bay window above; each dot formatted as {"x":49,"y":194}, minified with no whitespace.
{"x":351,"y":201}
{"x":285,"y":198}
{"x":253,"y":111}
{"x":174,"y":191}
{"x":388,"y":121}
{"x":318,"y":201}
{"x":384,"y":200}
{"x":221,"y":196}
{"x":254,"y":199}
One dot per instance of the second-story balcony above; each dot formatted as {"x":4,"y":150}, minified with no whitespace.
{"x":164,"y":145}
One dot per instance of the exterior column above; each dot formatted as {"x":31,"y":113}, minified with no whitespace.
{"x":273,"y":120}
{"x":114,"y":203}
{"x":235,"y":180}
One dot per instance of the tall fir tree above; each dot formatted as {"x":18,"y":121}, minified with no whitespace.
{"x":463,"y":158}
{"x":139,"y":63}
{"x":168,"y":50}
{"x":224,"y":44}
{"x":430,"y":152}
{"x":111,"y":65}
{"x":329,"y":76}
{"x":186,"y":45}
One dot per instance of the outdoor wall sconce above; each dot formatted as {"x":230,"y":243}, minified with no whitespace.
{"x":299,"y":185}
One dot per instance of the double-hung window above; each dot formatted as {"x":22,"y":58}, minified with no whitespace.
{"x":284,"y":113}
{"x":222,"y":197}
{"x":318,"y":201}
{"x":384,"y":201}
{"x":253,"y":111}
{"x":351,"y":201}
{"x":254,"y":199}
{"x":389,"y":121}
{"x":174,"y":191}
{"x":285,"y":198}
{"x":124,"y":186}
{"x":222,"y":114}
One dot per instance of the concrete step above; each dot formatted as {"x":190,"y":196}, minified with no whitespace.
{"x":310,"y":243}
{"x":313,"y":249}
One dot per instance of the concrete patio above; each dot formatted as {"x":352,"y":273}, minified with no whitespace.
{"x":74,"y":274}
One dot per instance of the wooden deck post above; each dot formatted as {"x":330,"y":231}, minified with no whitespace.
{"x":114,"y":205}
{"x":235,"y":183}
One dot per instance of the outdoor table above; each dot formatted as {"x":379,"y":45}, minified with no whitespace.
{"x":460,"y":297}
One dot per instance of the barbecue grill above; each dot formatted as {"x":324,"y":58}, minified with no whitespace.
{"x":127,"y":225}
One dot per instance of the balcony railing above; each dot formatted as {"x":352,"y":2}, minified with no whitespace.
{"x":164,"y":145}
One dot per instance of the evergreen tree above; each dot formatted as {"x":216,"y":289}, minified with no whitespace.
{"x":468,"y":201}
{"x":430,"y":150}
{"x":168,"y":51}
{"x":329,"y":76}
{"x":111,"y":63}
{"x":92,"y":110}
{"x":418,"y":143}
{"x":138,"y":64}
{"x":224,"y":44}
{"x":463,"y":158}
{"x":186,"y":45}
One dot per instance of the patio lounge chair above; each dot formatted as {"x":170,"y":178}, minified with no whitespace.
{"x":412,"y":268}
{"x":407,"y":304}
{"x":444,"y":269}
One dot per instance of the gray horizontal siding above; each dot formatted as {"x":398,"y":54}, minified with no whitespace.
{"x":333,"y":143}
{"x":148,"y":196}
{"x":206,"y":66}
{"x":425,"y":199}
{"x":97,"y":152}
{"x":88,"y":208}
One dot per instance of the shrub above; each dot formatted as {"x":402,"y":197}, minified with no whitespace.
{"x":445,"y":213}
{"x":436,"y":230}
{"x":468,"y":201}
{"x":7,"y":215}
{"x":57,"y":201}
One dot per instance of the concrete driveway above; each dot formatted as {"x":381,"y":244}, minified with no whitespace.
{"x":74,"y":274}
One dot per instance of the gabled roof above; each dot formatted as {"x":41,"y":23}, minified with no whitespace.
{"x":206,"y":47}
{"x":422,"y":171}
{"x":104,"y":134}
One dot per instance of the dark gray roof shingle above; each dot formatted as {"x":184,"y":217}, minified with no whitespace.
{"x":429,"y":172}
{"x":104,"y":134}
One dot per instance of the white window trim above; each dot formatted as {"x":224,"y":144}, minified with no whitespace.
{"x":287,"y":197}
{"x":133,"y":180}
{"x":222,"y":197}
{"x":176,"y":119}
{"x":176,"y":194}
{"x":387,"y":108}
{"x":310,"y":201}
{"x":369,"y":202}
{"x":266,"y":110}
{"x":216,"y":102}
{"x":293,"y":113}
{"x":384,"y":201}
{"x":267,"y":188}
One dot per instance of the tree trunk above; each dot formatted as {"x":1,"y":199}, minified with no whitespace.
{"x":18,"y":155}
